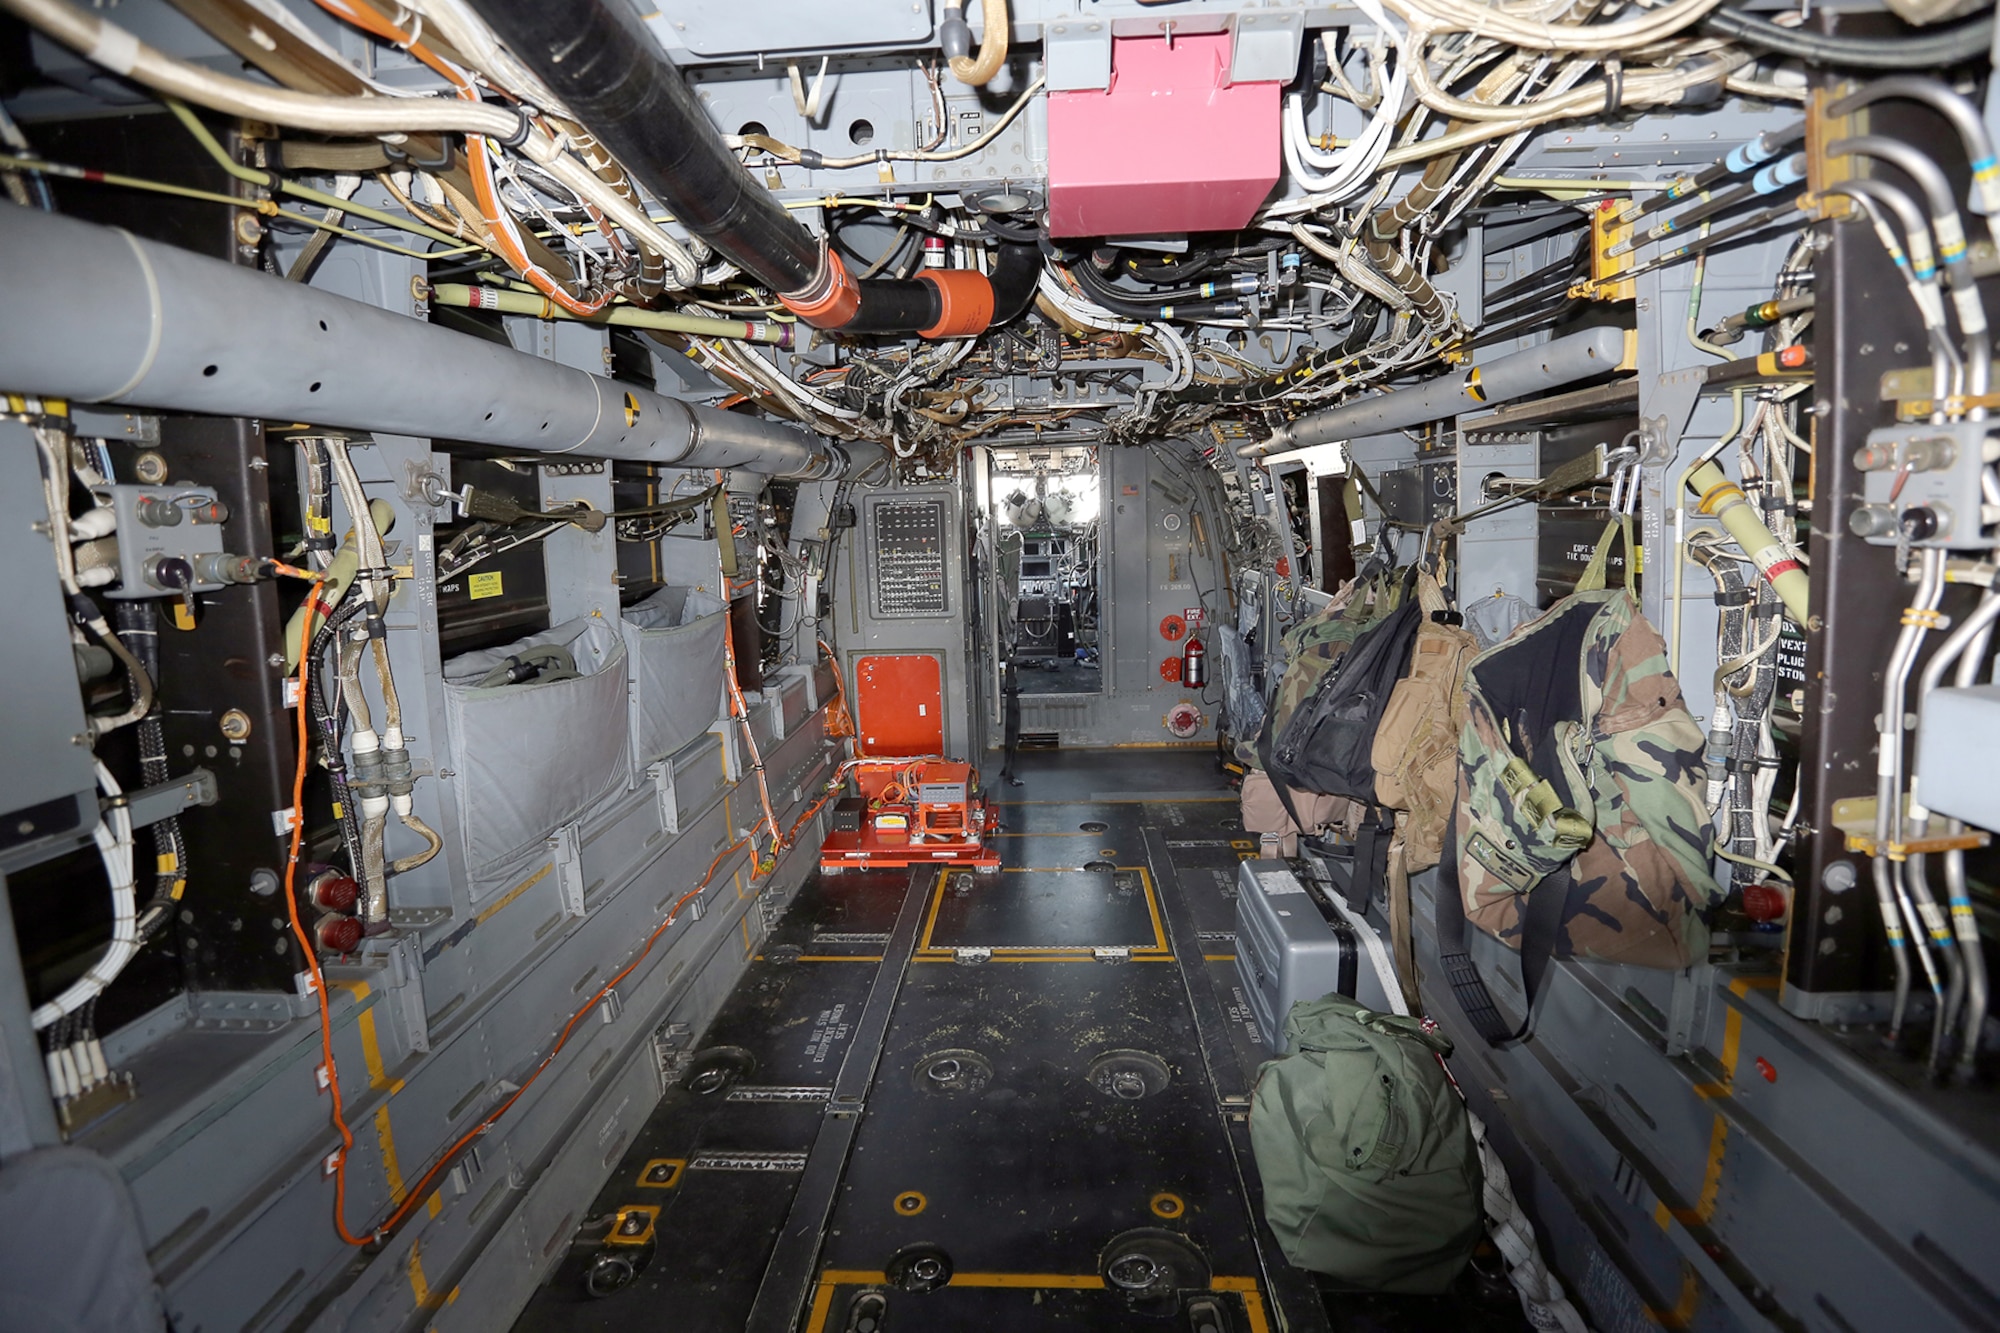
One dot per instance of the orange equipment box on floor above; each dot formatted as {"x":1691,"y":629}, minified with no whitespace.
{"x":912,"y":812}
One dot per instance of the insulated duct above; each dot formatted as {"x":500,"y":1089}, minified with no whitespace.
{"x":599,"y":58}
{"x":96,"y":315}
{"x":1565,"y":360}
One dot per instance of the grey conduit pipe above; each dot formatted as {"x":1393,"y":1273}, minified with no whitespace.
{"x":1966,"y":646}
{"x":1891,"y":895}
{"x":1919,"y":268}
{"x":1950,"y":231}
{"x":1565,"y":360}
{"x":1954,"y":107}
{"x":95,"y":315}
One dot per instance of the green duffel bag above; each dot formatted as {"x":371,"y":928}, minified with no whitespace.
{"x":1370,"y":1171}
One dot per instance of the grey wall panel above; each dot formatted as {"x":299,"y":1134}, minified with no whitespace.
{"x":1149,"y":572}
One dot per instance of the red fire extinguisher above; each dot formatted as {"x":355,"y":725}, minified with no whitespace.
{"x":1194,"y":664}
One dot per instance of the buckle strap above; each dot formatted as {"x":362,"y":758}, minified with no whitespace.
{"x":1537,"y":797}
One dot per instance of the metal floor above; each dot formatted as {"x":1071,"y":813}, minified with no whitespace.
{"x":919,"y":1108}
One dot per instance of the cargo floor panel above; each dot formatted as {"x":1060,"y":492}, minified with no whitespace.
{"x":1038,"y":1106}
{"x":1023,"y":1133}
{"x":1045,"y":909}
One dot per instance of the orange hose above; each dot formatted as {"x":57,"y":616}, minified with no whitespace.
{"x":421,"y":1190}
{"x":305,"y":941}
{"x":495,"y":217}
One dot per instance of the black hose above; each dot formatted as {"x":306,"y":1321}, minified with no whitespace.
{"x":1928,"y":50}
{"x":1186,"y":303}
{"x":1016,"y":270}
{"x":615,"y":78}
{"x":612,"y":73}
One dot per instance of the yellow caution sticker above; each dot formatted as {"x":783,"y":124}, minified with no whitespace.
{"x":484,"y":585}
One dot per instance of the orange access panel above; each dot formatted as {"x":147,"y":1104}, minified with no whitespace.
{"x":899,"y":705}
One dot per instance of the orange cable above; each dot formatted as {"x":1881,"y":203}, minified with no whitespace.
{"x":418,"y":1192}
{"x":305,"y":941}
{"x":475,"y":151}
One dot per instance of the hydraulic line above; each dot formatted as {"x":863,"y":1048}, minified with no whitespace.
{"x":1746,"y":156}
{"x":1756,"y":222}
{"x":1966,"y":925}
{"x":1768,"y":180}
{"x":1891,"y":895}
{"x":1954,"y":107}
{"x":1209,"y":300}
{"x":1950,"y":232}
{"x":1930,"y":50}
{"x":508,"y":302}
{"x":1918,"y":267}
{"x":1964,"y":647}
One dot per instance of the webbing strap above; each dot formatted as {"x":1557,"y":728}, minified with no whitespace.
{"x":1541,"y":931}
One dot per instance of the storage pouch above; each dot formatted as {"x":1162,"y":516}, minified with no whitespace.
{"x":675,"y":641}
{"x":532,"y":757}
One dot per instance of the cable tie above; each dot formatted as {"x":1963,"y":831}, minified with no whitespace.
{"x":520,"y":135}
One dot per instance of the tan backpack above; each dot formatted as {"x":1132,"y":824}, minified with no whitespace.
{"x":1416,"y":746}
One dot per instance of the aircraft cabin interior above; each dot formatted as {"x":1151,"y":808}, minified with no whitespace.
{"x":985,"y":666}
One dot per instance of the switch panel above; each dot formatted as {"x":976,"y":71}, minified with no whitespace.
{"x":908,"y":549}
{"x":1923,"y":478}
{"x":161,"y":530}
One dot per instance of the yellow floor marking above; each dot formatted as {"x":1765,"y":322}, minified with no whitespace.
{"x":1051,"y":956}
{"x":834,"y":1278}
{"x":1153,"y":908}
{"x":1683,"y":1312}
{"x":385,"y":1136}
{"x":1127,"y":800}
{"x":1218,"y":958}
{"x":1048,"y":835}
{"x":930,"y":921}
{"x":420,"y":1286}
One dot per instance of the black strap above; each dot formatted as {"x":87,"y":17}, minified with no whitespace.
{"x":1371,"y":861}
{"x":1541,"y":931}
{"x":1010,"y":691}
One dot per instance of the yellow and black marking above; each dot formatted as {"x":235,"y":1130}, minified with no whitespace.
{"x":1157,"y":951}
{"x":631,"y":409}
{"x":833,"y":1279}
{"x":662,"y":1173}
{"x":910,"y":1202}
{"x":1709,"y":1194}
{"x":634,"y":1224}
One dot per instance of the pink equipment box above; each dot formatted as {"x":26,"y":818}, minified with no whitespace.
{"x":1170,"y":147}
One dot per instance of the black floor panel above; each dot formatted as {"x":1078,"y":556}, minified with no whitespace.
{"x":1061,"y":1084}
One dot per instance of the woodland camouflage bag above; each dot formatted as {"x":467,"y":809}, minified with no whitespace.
{"x":1578,"y":754}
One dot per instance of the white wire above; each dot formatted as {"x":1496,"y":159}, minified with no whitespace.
{"x":113,"y":836}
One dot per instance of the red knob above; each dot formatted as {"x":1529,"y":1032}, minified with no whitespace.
{"x":1764,"y":902}
{"x":335,"y":892}
{"x":339,"y":934}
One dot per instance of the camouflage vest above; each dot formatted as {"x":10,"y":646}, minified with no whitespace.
{"x":1602,"y":773}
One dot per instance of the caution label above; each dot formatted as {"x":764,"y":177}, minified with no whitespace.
{"x":484,"y":585}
